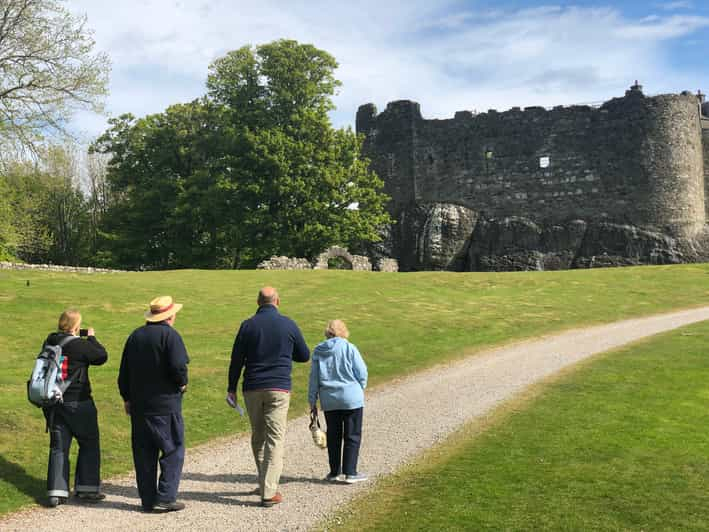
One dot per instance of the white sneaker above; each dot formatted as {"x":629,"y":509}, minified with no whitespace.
{"x":357,"y":477}
{"x":332,"y":478}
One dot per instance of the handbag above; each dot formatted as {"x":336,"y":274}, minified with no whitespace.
{"x":319,"y":437}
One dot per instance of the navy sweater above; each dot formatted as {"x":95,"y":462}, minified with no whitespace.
{"x":153,"y":368}
{"x":266,"y":346}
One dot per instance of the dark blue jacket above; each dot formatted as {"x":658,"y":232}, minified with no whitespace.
{"x":266,"y":345}
{"x":153,"y":368}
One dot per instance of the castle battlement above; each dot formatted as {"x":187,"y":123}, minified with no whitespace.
{"x":635,"y":160}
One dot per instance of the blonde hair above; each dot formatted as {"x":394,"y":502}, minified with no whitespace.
{"x":69,"y":320}
{"x":336,"y":328}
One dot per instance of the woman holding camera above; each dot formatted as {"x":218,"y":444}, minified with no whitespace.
{"x":75,"y":416}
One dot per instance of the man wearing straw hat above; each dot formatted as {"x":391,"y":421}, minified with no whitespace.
{"x":152,"y":379}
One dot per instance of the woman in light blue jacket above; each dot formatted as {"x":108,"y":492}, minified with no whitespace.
{"x":338,"y":376}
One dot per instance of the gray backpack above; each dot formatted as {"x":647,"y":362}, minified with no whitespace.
{"x":46,"y":387}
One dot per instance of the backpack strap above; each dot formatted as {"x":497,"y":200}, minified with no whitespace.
{"x":66,"y":383}
{"x":66,"y":340}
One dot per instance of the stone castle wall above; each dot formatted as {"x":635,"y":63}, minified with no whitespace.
{"x":705,"y":135}
{"x":635,"y":161}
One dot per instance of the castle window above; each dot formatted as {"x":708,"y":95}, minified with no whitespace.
{"x":544,"y":162}
{"x":488,"y":154}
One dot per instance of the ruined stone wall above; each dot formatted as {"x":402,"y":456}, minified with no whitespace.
{"x":705,"y":136}
{"x":635,"y":160}
{"x":54,"y":268}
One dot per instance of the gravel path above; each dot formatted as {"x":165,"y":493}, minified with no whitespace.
{"x":415,"y":412}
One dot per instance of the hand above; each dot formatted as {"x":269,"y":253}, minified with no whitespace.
{"x":231,"y":398}
{"x":126,"y":407}
{"x":91,"y":332}
{"x":183,"y":388}
{"x":314,"y":408}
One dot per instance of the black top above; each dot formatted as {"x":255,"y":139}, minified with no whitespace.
{"x":266,"y":344}
{"x":153,"y":368}
{"x":78,"y":355}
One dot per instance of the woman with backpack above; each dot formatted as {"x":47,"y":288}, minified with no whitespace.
{"x":75,"y":416}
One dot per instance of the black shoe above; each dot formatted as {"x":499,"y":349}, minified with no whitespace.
{"x":90,"y":496}
{"x":53,"y":502}
{"x":173,"y":506}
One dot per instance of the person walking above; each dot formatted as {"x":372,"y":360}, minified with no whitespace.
{"x":151,"y":380}
{"x":338,"y":377}
{"x":264,"y":348}
{"x":76,"y":416}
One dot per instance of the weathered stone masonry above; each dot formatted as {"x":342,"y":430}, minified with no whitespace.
{"x":623,"y":183}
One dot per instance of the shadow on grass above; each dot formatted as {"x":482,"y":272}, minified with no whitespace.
{"x":16,"y":475}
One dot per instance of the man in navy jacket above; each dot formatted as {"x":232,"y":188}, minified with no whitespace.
{"x":265,"y":348}
{"x":152,"y":379}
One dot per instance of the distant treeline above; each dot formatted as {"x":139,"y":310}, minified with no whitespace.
{"x":254,"y":168}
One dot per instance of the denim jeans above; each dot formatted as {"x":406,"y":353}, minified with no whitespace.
{"x":343,"y":427}
{"x":76,"y":419}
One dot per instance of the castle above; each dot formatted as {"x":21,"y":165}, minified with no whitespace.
{"x":570,"y":187}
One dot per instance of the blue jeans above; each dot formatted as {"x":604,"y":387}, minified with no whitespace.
{"x":75,"y":419}
{"x":158,"y":438}
{"x":343,"y":427}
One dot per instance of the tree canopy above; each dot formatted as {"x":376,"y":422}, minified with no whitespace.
{"x":252,"y":169}
{"x":48,"y":70}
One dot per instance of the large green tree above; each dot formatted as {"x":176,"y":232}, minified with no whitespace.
{"x":253,"y":169}
{"x":48,"y":70}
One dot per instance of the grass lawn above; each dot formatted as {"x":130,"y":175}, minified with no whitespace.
{"x":400,"y":322}
{"x":620,"y":443}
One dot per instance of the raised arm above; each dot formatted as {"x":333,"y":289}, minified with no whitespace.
{"x":96,"y":354}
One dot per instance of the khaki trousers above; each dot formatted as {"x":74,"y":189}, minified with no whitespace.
{"x":268,"y":414}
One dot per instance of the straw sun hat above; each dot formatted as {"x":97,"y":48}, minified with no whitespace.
{"x":161,"y":308}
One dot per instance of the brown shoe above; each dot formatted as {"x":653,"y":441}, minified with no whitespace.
{"x":276,"y":499}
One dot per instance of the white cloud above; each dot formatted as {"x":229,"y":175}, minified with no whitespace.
{"x":445,"y":58}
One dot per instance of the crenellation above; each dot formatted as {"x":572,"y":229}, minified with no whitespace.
{"x":636,"y":161}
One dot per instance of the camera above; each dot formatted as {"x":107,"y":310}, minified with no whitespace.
{"x":83,"y":332}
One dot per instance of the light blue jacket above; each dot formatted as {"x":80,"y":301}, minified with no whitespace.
{"x":338,"y":376}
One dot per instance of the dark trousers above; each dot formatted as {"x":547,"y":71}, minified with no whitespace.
{"x":343,"y":426}
{"x":158,"y":439}
{"x":76,"y":419}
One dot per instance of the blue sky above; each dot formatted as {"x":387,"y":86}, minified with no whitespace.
{"x":447,"y":55}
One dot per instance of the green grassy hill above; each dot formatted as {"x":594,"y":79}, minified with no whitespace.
{"x":400,"y":322}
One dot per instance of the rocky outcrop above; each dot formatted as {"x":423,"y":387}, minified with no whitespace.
{"x":440,"y":233}
{"x":518,"y":243}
